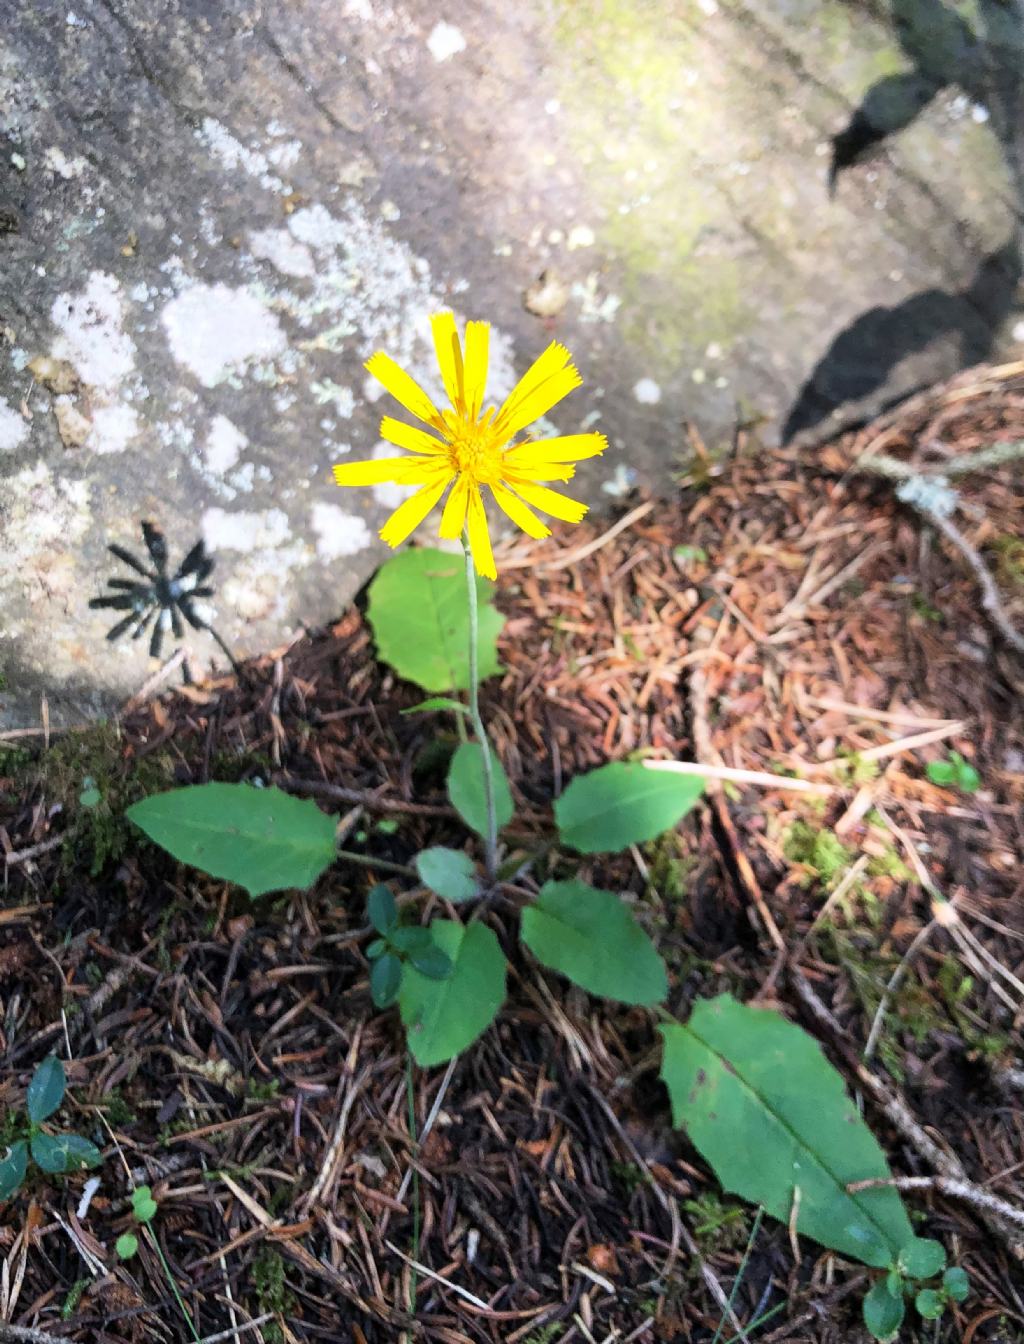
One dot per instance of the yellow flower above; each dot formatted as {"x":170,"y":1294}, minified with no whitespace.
{"x":472,"y":447}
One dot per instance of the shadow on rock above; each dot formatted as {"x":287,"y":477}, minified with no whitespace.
{"x":987,"y":65}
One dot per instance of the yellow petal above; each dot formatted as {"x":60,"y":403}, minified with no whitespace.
{"x":477,"y":344}
{"x":546,"y":471}
{"x":479,"y":537}
{"x":555,"y":357}
{"x":550,"y":501}
{"x":453,"y":520}
{"x":520,"y":513}
{"x":408,"y":516}
{"x":566,"y":448}
{"x":449,"y":356}
{"x":396,"y":470}
{"x":403,"y":388}
{"x":410,"y":438}
{"x":538,"y":401}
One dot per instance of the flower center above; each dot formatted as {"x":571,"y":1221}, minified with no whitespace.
{"x":474,"y":448}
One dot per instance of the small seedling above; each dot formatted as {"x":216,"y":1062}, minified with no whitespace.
{"x":53,"y":1153}
{"x":954,"y":772}
{"x":920,"y":1259}
{"x":144,"y":1209}
{"x":399,"y":943}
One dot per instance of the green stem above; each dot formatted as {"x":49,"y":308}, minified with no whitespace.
{"x":385,"y":865}
{"x":411,"y":1097}
{"x":154,"y":1241}
{"x":491,"y":839}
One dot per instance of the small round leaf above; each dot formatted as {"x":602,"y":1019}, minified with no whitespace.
{"x":929,"y":1304}
{"x":922,"y":1257}
{"x":385,"y":980}
{"x":46,"y":1090}
{"x":126,"y":1245}
{"x":883,"y":1313}
{"x":449,"y":872}
{"x":144,"y":1206}
{"x":956,"y":1283}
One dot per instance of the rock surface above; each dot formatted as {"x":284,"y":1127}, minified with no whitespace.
{"x":212,"y":214}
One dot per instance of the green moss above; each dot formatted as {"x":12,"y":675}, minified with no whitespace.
{"x":270,"y":1284}
{"x":818,"y":849}
{"x":718,"y":1224}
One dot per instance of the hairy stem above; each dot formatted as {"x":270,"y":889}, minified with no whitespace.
{"x":491,"y":839}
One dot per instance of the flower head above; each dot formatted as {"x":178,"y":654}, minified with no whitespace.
{"x":472,"y":446}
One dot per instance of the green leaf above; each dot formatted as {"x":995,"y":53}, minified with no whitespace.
{"x":419,"y":611}
{"x":442,"y":1017}
{"x":956,"y":1284}
{"x":13,"y":1168}
{"x":433,"y":963}
{"x":144,"y":1206}
{"x":376,"y":949}
{"x":466,"y":788}
{"x":90,"y":794}
{"x":385,"y":979}
{"x":921,"y":1257}
{"x":46,"y":1090}
{"x":929,"y":1304}
{"x":591,"y":937}
{"x":439,"y":702}
{"x":127,"y":1245}
{"x":410,"y":938}
{"x":449,"y":872}
{"x":883,"y":1313}
{"x":261,"y":839}
{"x":381,"y":910}
{"x":623,"y":804}
{"x":763,"y":1105}
{"x":954,"y":771}
{"x":64,"y":1152}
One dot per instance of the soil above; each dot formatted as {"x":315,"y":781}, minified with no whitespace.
{"x":781,"y":616}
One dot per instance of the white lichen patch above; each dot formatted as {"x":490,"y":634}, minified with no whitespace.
{"x":13,"y":429}
{"x":284,"y":252}
{"x":328,"y":392}
{"x":224,"y":445}
{"x":338,"y":533}
{"x":113,"y":428}
{"x":213,"y":330}
{"x":232,"y":154}
{"x":90,"y":331}
{"x":245,"y":530}
{"x":45,"y":515}
{"x":58,"y":162}
{"x":445,"y":41}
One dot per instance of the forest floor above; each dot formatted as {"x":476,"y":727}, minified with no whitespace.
{"x":788,"y":618}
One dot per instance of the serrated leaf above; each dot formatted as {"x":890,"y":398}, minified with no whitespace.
{"x":127,"y":1245}
{"x":883,"y":1313}
{"x":760,"y":1101}
{"x":591,"y":937}
{"x":449,"y":872}
{"x":57,"y":1153}
{"x":13,"y":1168}
{"x":623,"y":804}
{"x":922,"y":1257}
{"x":466,"y":788}
{"x":385,"y":979}
{"x":381,"y":910}
{"x":437,"y":702}
{"x":420,"y":616}
{"x":46,"y":1090}
{"x":262,"y":839}
{"x":443,"y":1017}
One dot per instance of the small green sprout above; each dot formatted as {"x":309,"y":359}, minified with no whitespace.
{"x":54,"y":1153}
{"x":954,"y":772}
{"x":398,"y":943}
